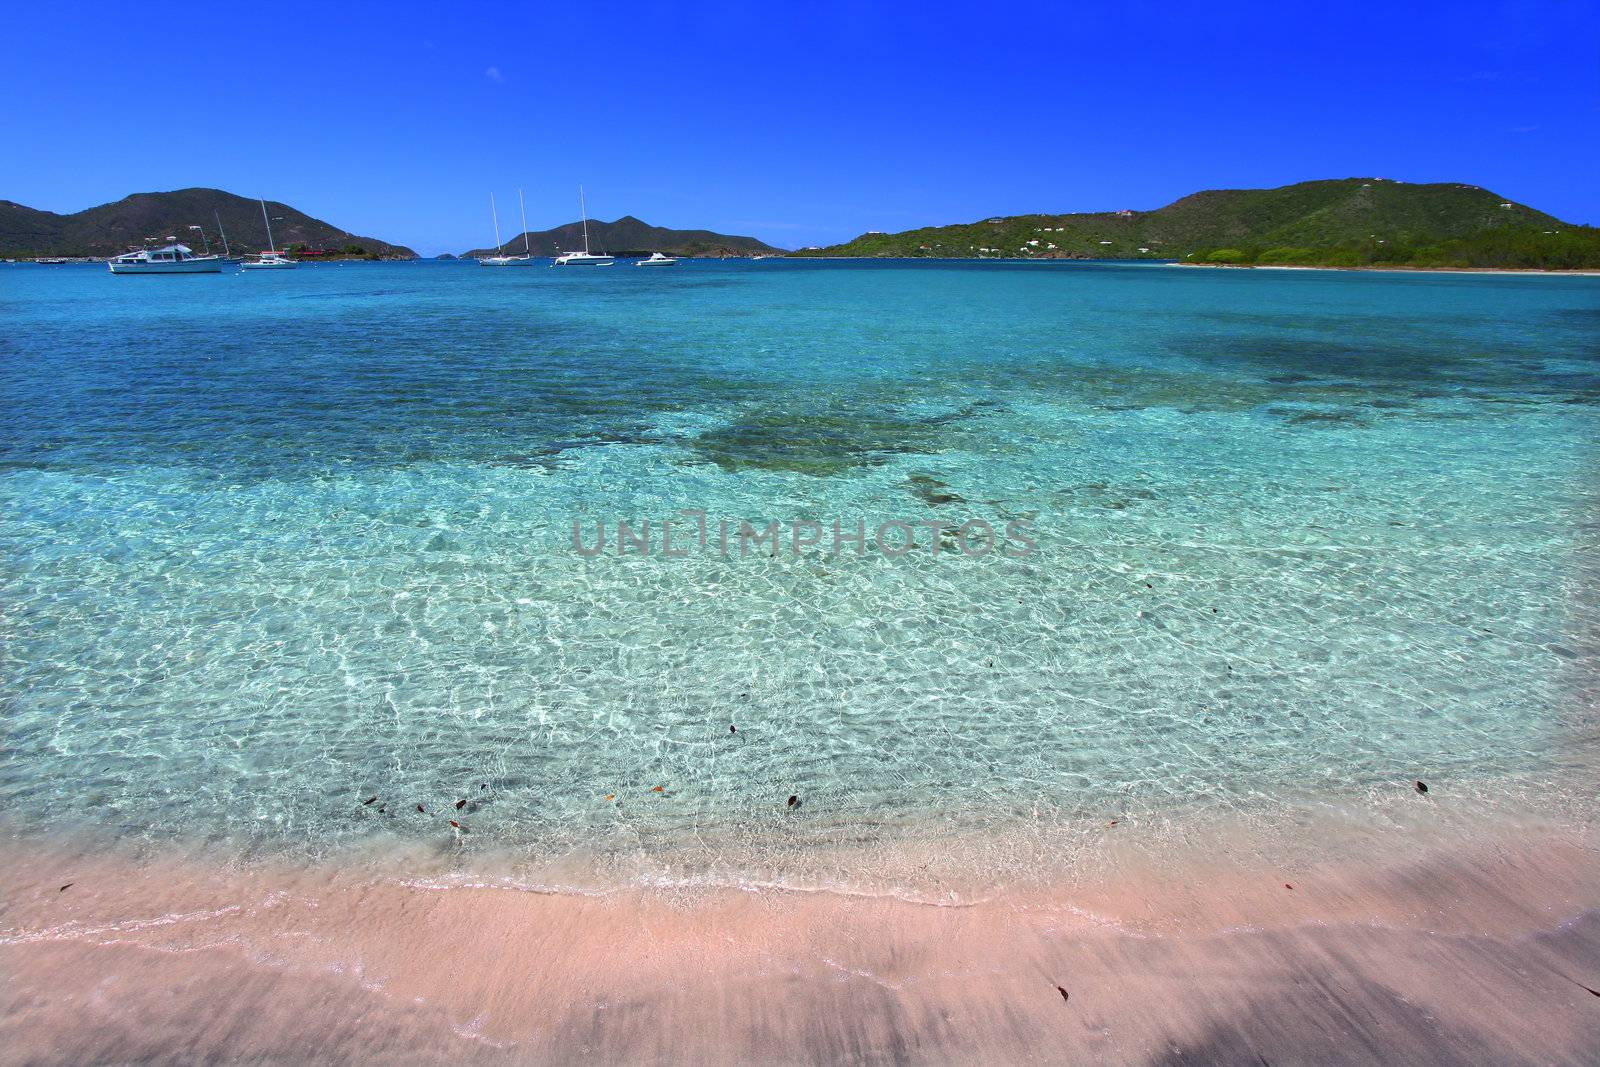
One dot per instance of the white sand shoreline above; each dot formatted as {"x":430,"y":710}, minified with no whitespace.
{"x":1473,"y":953}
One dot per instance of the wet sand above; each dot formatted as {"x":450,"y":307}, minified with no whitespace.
{"x":1476,"y":955}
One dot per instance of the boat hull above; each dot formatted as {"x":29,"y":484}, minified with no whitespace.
{"x":187,"y":266}
{"x":506,"y":261}
{"x":267,"y":266}
{"x":584,"y":261}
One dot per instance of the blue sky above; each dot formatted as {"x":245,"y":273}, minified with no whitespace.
{"x":801,"y":124}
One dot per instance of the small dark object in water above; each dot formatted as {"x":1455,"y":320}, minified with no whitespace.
{"x":794,"y":802}
{"x":69,"y":885}
{"x":483,"y":785}
{"x":733,"y":729}
{"x":419,"y":807}
{"x":1422,"y":787}
{"x":1213,"y":611}
{"x":1147,"y":585}
{"x":1063,"y":992}
{"x":460,"y":804}
{"x":380,"y":811}
{"x":659,"y":789}
{"x":455,"y":825}
{"x":1114,"y":822}
{"x":1286,"y":885}
{"x":369,"y":800}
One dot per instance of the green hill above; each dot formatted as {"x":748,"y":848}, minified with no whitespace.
{"x":1342,"y":222}
{"x":630,"y":236}
{"x":111,"y":229}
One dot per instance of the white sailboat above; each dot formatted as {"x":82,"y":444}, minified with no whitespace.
{"x":271,"y":259}
{"x":585,"y":258}
{"x":500,"y":259}
{"x":227,"y":253}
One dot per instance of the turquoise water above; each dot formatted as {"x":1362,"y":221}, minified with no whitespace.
{"x":274,"y":544}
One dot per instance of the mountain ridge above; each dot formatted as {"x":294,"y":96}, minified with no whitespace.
{"x":1337,"y":222}
{"x":629,"y":236}
{"x":109,"y":229}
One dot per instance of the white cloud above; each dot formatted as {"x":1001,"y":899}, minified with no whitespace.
{"x":494,"y":75}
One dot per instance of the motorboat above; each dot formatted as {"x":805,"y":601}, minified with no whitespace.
{"x":169,"y":259}
{"x":585,"y":258}
{"x":656,"y":259}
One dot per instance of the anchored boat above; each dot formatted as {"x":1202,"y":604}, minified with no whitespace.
{"x":169,"y":259}
{"x":500,"y":259}
{"x":585,"y":258}
{"x":271,"y":259}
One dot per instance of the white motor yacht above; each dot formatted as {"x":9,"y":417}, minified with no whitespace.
{"x":657,"y":260}
{"x":169,"y":259}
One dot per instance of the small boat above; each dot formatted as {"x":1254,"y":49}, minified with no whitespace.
{"x":268,"y":261}
{"x":502,"y":260}
{"x":170,"y":259}
{"x":657,"y":260}
{"x":52,"y":261}
{"x":585,"y":258}
{"x":271,"y":259}
{"x":227,"y":253}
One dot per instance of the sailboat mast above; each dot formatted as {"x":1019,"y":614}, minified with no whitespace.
{"x":583,"y":210}
{"x":270,"y":246}
{"x":218,"y":216}
{"x":496,"y":215}
{"x":525,"y":249}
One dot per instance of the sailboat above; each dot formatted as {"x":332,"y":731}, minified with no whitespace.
{"x":271,"y":259}
{"x":227,"y":253}
{"x":585,"y":258}
{"x":500,"y":260}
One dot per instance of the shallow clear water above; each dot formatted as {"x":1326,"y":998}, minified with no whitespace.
{"x":274,"y":544}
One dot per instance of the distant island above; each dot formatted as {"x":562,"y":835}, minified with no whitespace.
{"x":1348,"y":222}
{"x":144,"y":219}
{"x":629,"y":236}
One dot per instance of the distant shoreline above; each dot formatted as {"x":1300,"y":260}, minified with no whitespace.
{"x":1395,"y":269}
{"x":1224,"y":266}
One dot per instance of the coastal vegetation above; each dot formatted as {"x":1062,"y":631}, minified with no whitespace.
{"x":1569,"y":248}
{"x":1344,"y":222}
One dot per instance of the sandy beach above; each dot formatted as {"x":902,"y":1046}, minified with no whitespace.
{"x":1482,"y":954}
